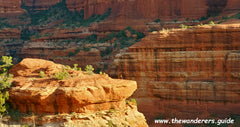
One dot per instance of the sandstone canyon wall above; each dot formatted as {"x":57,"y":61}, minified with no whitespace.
{"x":185,"y":73}
{"x":10,"y":8}
{"x":38,"y":5}
{"x":233,"y":5}
{"x":81,"y":99}
{"x":128,"y":9}
{"x":142,"y":9}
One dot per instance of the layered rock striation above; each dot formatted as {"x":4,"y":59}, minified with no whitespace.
{"x":38,"y":5}
{"x":128,"y":9}
{"x":233,"y":5}
{"x":141,"y":9}
{"x":80,"y":93}
{"x":185,"y":72}
{"x":10,"y":8}
{"x":10,"y":33}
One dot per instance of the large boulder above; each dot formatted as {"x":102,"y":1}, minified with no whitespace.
{"x":79,"y":92}
{"x":79,"y":99}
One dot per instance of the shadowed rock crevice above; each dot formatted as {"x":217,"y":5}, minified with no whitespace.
{"x":215,"y":6}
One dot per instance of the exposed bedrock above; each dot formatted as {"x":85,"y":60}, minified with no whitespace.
{"x":196,"y":68}
{"x":86,"y":99}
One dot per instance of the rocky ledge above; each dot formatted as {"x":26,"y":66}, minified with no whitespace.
{"x":79,"y":98}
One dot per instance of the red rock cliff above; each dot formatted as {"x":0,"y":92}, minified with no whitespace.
{"x":142,"y":9}
{"x":233,"y":5}
{"x":129,"y":9}
{"x":40,"y":4}
{"x":179,"y":72}
{"x":10,"y":8}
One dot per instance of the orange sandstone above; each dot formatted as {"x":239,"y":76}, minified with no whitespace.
{"x":197,"y":68}
{"x":80,"y":93}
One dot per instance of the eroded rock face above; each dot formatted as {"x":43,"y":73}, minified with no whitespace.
{"x":194,"y":68}
{"x":233,"y":5}
{"x":142,"y":9}
{"x":83,"y":94}
{"x":10,"y":33}
{"x":10,"y":8}
{"x":38,"y":5}
{"x":79,"y":93}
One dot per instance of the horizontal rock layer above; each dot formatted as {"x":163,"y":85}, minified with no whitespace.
{"x":233,"y":5}
{"x":38,"y":5}
{"x":142,"y":9}
{"x":188,"y":65}
{"x":10,"y":8}
{"x":79,"y":92}
{"x":8,"y":33}
{"x":128,"y":116}
{"x":129,"y":9}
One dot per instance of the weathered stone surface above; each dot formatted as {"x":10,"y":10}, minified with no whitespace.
{"x":197,"y":65}
{"x":128,"y":116}
{"x":62,"y":54}
{"x":80,"y":93}
{"x":10,"y":8}
{"x":141,"y":9}
{"x":233,"y":5}
{"x":8,"y":33}
{"x":37,"y":5}
{"x":136,"y":13}
{"x":79,"y":100}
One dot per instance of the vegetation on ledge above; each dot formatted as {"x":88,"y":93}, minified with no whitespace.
{"x":5,"y":82}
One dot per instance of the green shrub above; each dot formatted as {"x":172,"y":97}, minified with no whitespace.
{"x":61,"y":75}
{"x":86,"y":49}
{"x":134,"y":101}
{"x":225,"y":17}
{"x":110,"y":123}
{"x":41,"y":74}
{"x":92,"y":37}
{"x":5,"y":82}
{"x":183,"y":26}
{"x":67,"y":67}
{"x":15,"y":115}
{"x":102,"y":73}
{"x":128,"y":102}
{"x":24,"y":125}
{"x":89,"y":69}
{"x":25,"y":34}
{"x":203,"y":18}
{"x":157,"y":20}
{"x":211,"y":23}
{"x":75,"y":67}
{"x":220,"y":22}
{"x":70,"y":54}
